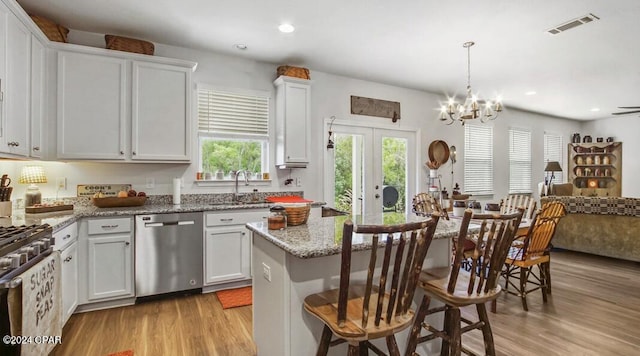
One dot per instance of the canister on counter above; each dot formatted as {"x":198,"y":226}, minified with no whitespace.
{"x":277,"y":219}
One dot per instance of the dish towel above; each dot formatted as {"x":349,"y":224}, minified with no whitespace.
{"x":35,"y":307}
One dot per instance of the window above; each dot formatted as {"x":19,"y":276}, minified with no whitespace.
{"x":519,"y":161}
{"x":233,"y":130}
{"x":478,"y":160}
{"x":553,"y":152}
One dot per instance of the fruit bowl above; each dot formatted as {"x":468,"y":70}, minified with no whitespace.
{"x":113,"y":202}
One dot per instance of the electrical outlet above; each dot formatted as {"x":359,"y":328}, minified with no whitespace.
{"x":298,"y":182}
{"x":266,"y":272}
{"x":62,"y":183}
{"x":151,"y":183}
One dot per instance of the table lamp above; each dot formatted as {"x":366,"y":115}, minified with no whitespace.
{"x":552,"y":166}
{"x":32,"y":175}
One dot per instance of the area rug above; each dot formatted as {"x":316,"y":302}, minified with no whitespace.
{"x":122,"y":353}
{"x":232,"y":298}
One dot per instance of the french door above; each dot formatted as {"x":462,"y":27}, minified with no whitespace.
{"x":370,"y":170}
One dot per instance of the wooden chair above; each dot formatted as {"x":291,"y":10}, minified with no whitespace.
{"x":356,"y":312}
{"x":457,"y":288}
{"x":532,"y":251}
{"x":514,"y":201}
{"x":425,"y":205}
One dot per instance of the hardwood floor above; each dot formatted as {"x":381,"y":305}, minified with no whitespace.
{"x":594,"y":310}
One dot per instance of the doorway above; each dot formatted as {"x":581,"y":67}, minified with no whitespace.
{"x":371,"y":170}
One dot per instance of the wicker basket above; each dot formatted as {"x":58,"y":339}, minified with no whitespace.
{"x":115,"y":202}
{"x":291,"y":71}
{"x":297,"y":214}
{"x":52,"y":30}
{"x":126,"y":44}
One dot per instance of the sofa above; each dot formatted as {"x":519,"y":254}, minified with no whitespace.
{"x":606,"y":226}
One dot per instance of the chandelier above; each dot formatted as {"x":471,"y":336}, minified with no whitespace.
{"x":471,"y":108}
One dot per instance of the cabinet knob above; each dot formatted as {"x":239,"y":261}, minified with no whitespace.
{"x":17,"y":144}
{"x":66,"y":236}
{"x":121,"y":152}
{"x":68,"y":259}
{"x":36,"y":148}
{"x":127,"y":243}
{"x":133,"y":153}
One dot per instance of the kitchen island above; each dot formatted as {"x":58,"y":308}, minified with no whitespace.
{"x":290,"y":264}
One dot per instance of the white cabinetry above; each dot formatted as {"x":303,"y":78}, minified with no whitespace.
{"x":91,"y":106}
{"x":38,"y":84}
{"x":16,"y":85}
{"x":160,"y":112}
{"x":293,"y":111}
{"x":115,"y":106}
{"x":227,"y":256}
{"x":106,"y":248}
{"x":66,"y":241}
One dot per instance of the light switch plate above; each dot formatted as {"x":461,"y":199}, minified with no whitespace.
{"x":266,"y":271}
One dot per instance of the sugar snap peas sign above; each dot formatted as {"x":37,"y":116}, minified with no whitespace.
{"x":375,"y":107}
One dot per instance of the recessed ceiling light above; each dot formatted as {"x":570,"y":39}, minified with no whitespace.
{"x":595,"y":109}
{"x":286,"y":28}
{"x":530,"y":92}
{"x":241,"y":46}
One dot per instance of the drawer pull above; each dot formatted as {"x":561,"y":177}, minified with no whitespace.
{"x":109,"y":226}
{"x":68,"y":259}
{"x":66,"y":236}
{"x":127,"y":243}
{"x":226,"y":220}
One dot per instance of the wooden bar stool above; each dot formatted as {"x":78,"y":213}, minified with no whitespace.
{"x":457,"y":288}
{"x":533,"y":250}
{"x":425,"y":205}
{"x":356,"y":312}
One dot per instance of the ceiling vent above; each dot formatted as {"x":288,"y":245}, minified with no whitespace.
{"x":573,"y":24}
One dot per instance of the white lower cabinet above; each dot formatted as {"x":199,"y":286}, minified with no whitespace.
{"x":107,"y":266}
{"x":66,"y":241}
{"x":69,"y":259}
{"x":227,"y":255}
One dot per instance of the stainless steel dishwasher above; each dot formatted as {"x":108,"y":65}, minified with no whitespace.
{"x":168,"y":253}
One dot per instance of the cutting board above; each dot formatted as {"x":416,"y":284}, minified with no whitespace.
{"x":287,"y":199}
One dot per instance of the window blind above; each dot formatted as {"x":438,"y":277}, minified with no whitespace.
{"x":519,"y":161}
{"x":553,"y":151}
{"x":478,"y":160}
{"x":221,"y":112}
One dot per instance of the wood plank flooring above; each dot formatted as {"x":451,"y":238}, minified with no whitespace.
{"x":594,"y":310}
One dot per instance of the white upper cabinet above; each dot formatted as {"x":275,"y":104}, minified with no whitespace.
{"x":38,"y":92}
{"x":160,"y":112}
{"x":293,"y":112}
{"x":16,"y":100}
{"x":92,"y":111}
{"x":115,"y":106}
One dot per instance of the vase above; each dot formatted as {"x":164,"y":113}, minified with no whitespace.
{"x":575,"y":138}
{"x":587,"y":139}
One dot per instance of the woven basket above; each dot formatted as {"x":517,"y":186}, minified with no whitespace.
{"x":127,"y":44}
{"x":291,"y":71}
{"x":297,"y":214}
{"x":52,"y":30}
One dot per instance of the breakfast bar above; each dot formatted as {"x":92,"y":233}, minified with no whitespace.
{"x":289,"y":264}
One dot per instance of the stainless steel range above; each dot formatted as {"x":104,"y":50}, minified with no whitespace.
{"x":21,"y":247}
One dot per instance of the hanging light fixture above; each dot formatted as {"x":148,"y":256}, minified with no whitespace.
{"x":471,"y":108}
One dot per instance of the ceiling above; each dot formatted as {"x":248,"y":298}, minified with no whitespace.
{"x":410,"y":43}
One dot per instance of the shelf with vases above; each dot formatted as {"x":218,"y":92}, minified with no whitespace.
{"x":595,"y":169}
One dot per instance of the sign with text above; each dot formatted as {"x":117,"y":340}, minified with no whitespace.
{"x":109,"y":190}
{"x":375,"y":107}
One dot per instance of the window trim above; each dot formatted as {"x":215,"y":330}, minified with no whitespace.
{"x":264,"y":139}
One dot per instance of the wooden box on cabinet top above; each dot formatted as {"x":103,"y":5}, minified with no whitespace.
{"x":595,"y":169}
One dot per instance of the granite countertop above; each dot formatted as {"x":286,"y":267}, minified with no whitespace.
{"x":59,"y":220}
{"x":323,"y":236}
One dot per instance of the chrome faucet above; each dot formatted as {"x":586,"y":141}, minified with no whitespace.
{"x":236,"y":194}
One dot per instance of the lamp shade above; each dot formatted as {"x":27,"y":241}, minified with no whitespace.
{"x":32,"y":174}
{"x":553,"y":166}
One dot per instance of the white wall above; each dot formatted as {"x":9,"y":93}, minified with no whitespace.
{"x":330,"y":97}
